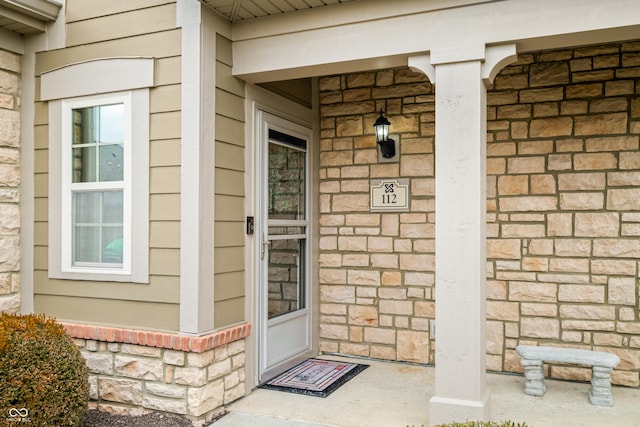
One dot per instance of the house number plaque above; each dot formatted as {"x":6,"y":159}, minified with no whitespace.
{"x":389,"y":195}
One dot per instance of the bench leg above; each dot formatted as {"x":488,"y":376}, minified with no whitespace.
{"x":600,"y":392}
{"x":534,"y":378}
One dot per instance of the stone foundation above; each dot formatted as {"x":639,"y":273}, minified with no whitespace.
{"x":134,"y":372}
{"x":10,"y":69}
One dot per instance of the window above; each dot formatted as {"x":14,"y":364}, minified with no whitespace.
{"x":99,"y":169}
{"x":96,"y":182}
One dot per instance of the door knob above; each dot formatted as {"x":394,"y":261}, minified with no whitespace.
{"x":265,"y":245}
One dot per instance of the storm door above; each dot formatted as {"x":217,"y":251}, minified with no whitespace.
{"x":284,"y":297}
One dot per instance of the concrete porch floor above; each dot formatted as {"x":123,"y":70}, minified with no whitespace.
{"x":393,"y":394}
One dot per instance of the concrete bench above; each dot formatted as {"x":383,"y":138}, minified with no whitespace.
{"x":601,"y":364}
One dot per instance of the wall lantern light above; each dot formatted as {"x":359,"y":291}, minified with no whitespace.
{"x":387,"y":146}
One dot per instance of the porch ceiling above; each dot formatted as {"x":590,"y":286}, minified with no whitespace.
{"x":242,"y":10}
{"x":27,"y":16}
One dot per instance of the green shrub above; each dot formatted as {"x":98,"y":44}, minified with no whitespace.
{"x":44,"y":380}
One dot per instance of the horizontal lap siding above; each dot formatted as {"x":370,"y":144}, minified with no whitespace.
{"x":115,"y":29}
{"x":141,"y":315}
{"x":78,"y":10}
{"x":229,"y":191}
{"x":166,"y":289}
{"x":119,"y":26}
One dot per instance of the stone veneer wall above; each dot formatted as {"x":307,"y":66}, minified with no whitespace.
{"x":10,"y":68}
{"x":135,"y":372}
{"x":563,"y":189}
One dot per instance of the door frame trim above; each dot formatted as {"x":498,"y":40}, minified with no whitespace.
{"x":266,"y":326}
{"x":259,"y":99}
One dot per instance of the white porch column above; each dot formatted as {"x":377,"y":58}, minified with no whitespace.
{"x":460,"y":392}
{"x":461,"y":105}
{"x":197,"y":171}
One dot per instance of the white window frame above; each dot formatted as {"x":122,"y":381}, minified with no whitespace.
{"x":69,"y":187}
{"x":124,"y":80}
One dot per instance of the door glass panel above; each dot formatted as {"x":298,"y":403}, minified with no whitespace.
{"x":286,"y":276}
{"x":287,"y":226}
{"x":286,"y":182}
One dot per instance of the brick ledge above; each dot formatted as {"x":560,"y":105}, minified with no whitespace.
{"x":172,"y":341}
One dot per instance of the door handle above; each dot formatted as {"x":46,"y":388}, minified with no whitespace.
{"x":265,"y":245}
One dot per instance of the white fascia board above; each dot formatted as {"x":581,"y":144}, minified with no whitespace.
{"x":19,"y":18}
{"x":546,"y":24}
{"x":43,"y":10}
{"x":530,"y":25}
{"x":342,"y":14}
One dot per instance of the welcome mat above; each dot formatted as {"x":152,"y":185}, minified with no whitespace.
{"x":315,"y":377}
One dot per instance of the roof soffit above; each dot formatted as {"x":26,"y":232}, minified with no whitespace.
{"x":28,"y":16}
{"x":248,"y":10}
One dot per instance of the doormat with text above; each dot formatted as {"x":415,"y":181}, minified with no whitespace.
{"x":315,"y":377}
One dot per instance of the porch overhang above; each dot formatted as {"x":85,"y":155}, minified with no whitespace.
{"x":280,"y":47}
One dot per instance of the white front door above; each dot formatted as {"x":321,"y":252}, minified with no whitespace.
{"x":284,"y":312}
